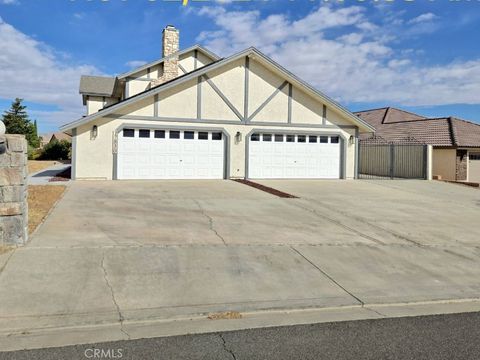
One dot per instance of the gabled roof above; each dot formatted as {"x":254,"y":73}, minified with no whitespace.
{"x":61,"y":136}
{"x":394,"y":124}
{"x":206,"y":52}
{"x":251,"y":52}
{"x":97,"y":85}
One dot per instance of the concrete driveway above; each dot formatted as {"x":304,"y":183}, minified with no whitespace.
{"x":138,"y":259}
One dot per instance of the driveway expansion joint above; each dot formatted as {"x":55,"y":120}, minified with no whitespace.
{"x":343,"y":213}
{"x":120,"y":316}
{"x":328,"y":276}
{"x":338,"y":223}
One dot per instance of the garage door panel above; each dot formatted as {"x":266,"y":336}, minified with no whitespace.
{"x":170,"y":158}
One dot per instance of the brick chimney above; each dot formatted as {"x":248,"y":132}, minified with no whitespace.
{"x":170,"y":45}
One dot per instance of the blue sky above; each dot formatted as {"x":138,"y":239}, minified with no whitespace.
{"x":420,"y":55}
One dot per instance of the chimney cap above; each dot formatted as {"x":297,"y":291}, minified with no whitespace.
{"x":170,"y":27}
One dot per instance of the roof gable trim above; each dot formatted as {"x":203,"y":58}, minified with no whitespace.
{"x":197,"y":47}
{"x":249,"y":52}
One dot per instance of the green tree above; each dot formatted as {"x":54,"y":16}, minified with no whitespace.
{"x":16,"y":121}
{"x":56,"y":150}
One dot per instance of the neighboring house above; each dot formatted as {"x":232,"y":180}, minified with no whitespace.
{"x":48,"y":138}
{"x":45,"y":139}
{"x":193,"y":115}
{"x":59,"y":136}
{"x":456,"y":143}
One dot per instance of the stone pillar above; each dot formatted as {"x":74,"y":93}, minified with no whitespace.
{"x":170,"y":46}
{"x":13,"y":191}
{"x":462,"y":164}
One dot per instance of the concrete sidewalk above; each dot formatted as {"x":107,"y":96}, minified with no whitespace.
{"x":43,"y":177}
{"x":119,"y":260}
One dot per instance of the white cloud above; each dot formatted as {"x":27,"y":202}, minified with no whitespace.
{"x":79,"y":16}
{"x":363,"y":64}
{"x":427,"y":17}
{"x":135,"y":63}
{"x":31,"y":70}
{"x":8,"y":2}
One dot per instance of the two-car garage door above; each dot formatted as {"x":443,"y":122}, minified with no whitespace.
{"x":294,"y":156}
{"x":170,"y":154}
{"x":189,"y":154}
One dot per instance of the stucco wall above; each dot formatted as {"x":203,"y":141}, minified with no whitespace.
{"x":94,"y":103}
{"x":178,"y":106}
{"x":444,"y":163}
{"x":94,"y":157}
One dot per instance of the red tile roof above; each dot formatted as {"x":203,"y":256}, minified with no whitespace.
{"x":395,"y":124}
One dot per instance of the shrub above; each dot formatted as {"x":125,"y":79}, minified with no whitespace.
{"x":33,"y":154}
{"x":56,"y":150}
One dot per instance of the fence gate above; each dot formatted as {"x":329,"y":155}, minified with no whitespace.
{"x":382,"y":159}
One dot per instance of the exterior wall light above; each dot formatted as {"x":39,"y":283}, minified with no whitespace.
{"x":351,"y":140}
{"x":94,"y":132}
{"x":238,"y":137}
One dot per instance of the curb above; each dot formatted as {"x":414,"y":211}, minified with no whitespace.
{"x":199,"y":324}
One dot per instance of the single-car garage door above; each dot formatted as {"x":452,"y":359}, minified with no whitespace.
{"x":288,"y":156}
{"x":170,"y":154}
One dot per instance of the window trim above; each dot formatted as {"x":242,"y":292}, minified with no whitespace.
{"x":128,"y":129}
{"x":189,"y":132}
{"x":203,"y":132}
{"x":159,"y":131}
{"x":173,"y":131}
{"x":140,"y":131}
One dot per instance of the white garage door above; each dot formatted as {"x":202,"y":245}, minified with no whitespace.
{"x":170,"y":154}
{"x":286,"y":156}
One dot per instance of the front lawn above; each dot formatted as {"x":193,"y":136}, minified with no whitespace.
{"x":41,"y":198}
{"x":38,"y":165}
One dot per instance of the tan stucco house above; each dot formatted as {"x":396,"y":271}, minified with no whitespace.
{"x":194,"y":115}
{"x":455,"y":142}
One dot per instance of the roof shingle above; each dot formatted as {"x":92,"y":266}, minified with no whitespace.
{"x":97,"y":85}
{"x":395,"y":124}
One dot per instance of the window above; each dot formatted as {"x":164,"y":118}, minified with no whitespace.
{"x":267,"y":137}
{"x":312,"y":139}
{"x":474,"y":156}
{"x":202,"y":136}
{"x":255,"y":137}
{"x":217,"y":136}
{"x":301,"y":138}
{"x":128,"y":133}
{"x":174,"y":134}
{"x":278,"y":137}
{"x":144,"y":133}
{"x":290,"y":138}
{"x":324,"y":139}
{"x":159,"y":134}
{"x":334,"y":139}
{"x":189,"y":135}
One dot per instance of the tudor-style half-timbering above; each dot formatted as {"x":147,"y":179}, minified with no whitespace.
{"x":271,"y":125}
